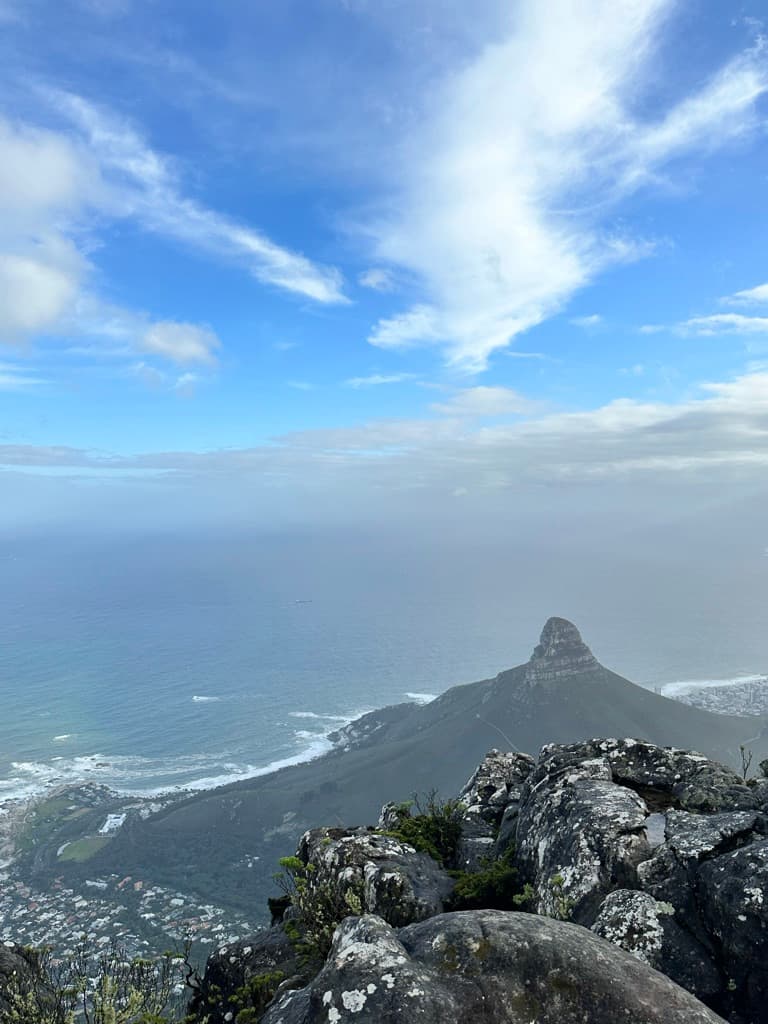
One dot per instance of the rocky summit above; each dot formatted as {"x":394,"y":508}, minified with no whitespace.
{"x":604,"y":881}
{"x":559,"y":654}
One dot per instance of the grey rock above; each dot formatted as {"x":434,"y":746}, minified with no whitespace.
{"x":501,"y":968}
{"x":377,"y":873}
{"x":699,"y":837}
{"x":647,"y":928}
{"x":734,"y":903}
{"x":579,"y":836}
{"x":560,"y":654}
{"x":491,"y":795}
{"x":231,"y":966}
{"x":664,"y":776}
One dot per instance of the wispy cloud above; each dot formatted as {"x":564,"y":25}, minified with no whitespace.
{"x":748,"y":297}
{"x":300,"y":385}
{"x":725,"y":323}
{"x":14,"y":377}
{"x":375,"y":379}
{"x":147,"y":186}
{"x":377,"y":279}
{"x":594,"y":320}
{"x":509,"y":190}
{"x":485,"y":402}
{"x":181,"y":343}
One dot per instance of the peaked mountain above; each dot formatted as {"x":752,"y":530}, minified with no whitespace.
{"x":562,"y":694}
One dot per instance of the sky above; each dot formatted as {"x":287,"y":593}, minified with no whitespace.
{"x":378,"y":260}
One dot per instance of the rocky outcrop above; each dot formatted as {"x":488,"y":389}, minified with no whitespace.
{"x":501,"y":968}
{"x":491,"y":799}
{"x":648,"y":929}
{"x":559,"y":654}
{"x":691,"y":903}
{"x":579,"y":835}
{"x":376,"y":874}
{"x":666,"y":777}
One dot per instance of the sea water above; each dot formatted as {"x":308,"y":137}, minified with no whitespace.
{"x":150,"y":663}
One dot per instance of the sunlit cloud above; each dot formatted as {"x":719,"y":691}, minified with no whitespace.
{"x":508,"y":196}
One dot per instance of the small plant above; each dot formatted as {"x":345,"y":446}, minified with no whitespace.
{"x":318,"y":907}
{"x":562,"y":905}
{"x":110,"y":989}
{"x":434,"y":828}
{"x":746,"y":761}
{"x":251,"y":1000}
{"x":493,"y":887}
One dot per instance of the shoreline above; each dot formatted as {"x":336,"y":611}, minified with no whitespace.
{"x":15,"y":808}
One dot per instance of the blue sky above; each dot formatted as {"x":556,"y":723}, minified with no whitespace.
{"x":334,"y":251}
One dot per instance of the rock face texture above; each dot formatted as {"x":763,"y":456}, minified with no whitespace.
{"x":559,"y":654}
{"x":492,"y":801}
{"x":501,"y":968}
{"x":579,"y":835}
{"x":231,"y":967}
{"x":376,"y":874}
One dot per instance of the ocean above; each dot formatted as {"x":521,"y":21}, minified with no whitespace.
{"x":156,"y":662}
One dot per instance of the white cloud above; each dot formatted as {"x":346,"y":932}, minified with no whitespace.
{"x":481,"y":402}
{"x":748,"y":297}
{"x":726,"y":323}
{"x":594,"y":320}
{"x":42,"y":181}
{"x":716,"y":437}
{"x":146,"y":186}
{"x":299,"y":385}
{"x":377,"y":279}
{"x":509,"y":187}
{"x":37,"y":287}
{"x":14,"y":377}
{"x":378,"y":378}
{"x":180,"y":342}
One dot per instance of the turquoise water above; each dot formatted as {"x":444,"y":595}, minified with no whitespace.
{"x":153,"y":662}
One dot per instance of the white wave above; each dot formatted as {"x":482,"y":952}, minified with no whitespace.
{"x":422,"y":698}
{"x":64,"y":736}
{"x":205,"y":700}
{"x":682,"y":686}
{"x":322,"y":718}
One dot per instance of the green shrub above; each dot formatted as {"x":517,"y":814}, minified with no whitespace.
{"x":318,"y":907}
{"x":493,"y":887}
{"x":251,"y":1000}
{"x":435,"y":828}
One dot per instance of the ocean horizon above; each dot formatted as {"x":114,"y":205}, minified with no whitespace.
{"x":152,"y":663}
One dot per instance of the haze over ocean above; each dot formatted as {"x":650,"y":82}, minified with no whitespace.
{"x":148,"y":662}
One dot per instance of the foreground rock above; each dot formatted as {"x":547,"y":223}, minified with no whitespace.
{"x":501,"y":968}
{"x":375,"y":874}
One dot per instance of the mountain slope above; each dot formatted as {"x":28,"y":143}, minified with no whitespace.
{"x":562,"y":694}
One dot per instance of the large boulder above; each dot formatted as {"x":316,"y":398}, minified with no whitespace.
{"x":579,"y":835}
{"x":375,"y":874}
{"x":648,"y":929}
{"x":664,"y":776}
{"x":734,"y":904}
{"x":501,"y":968}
